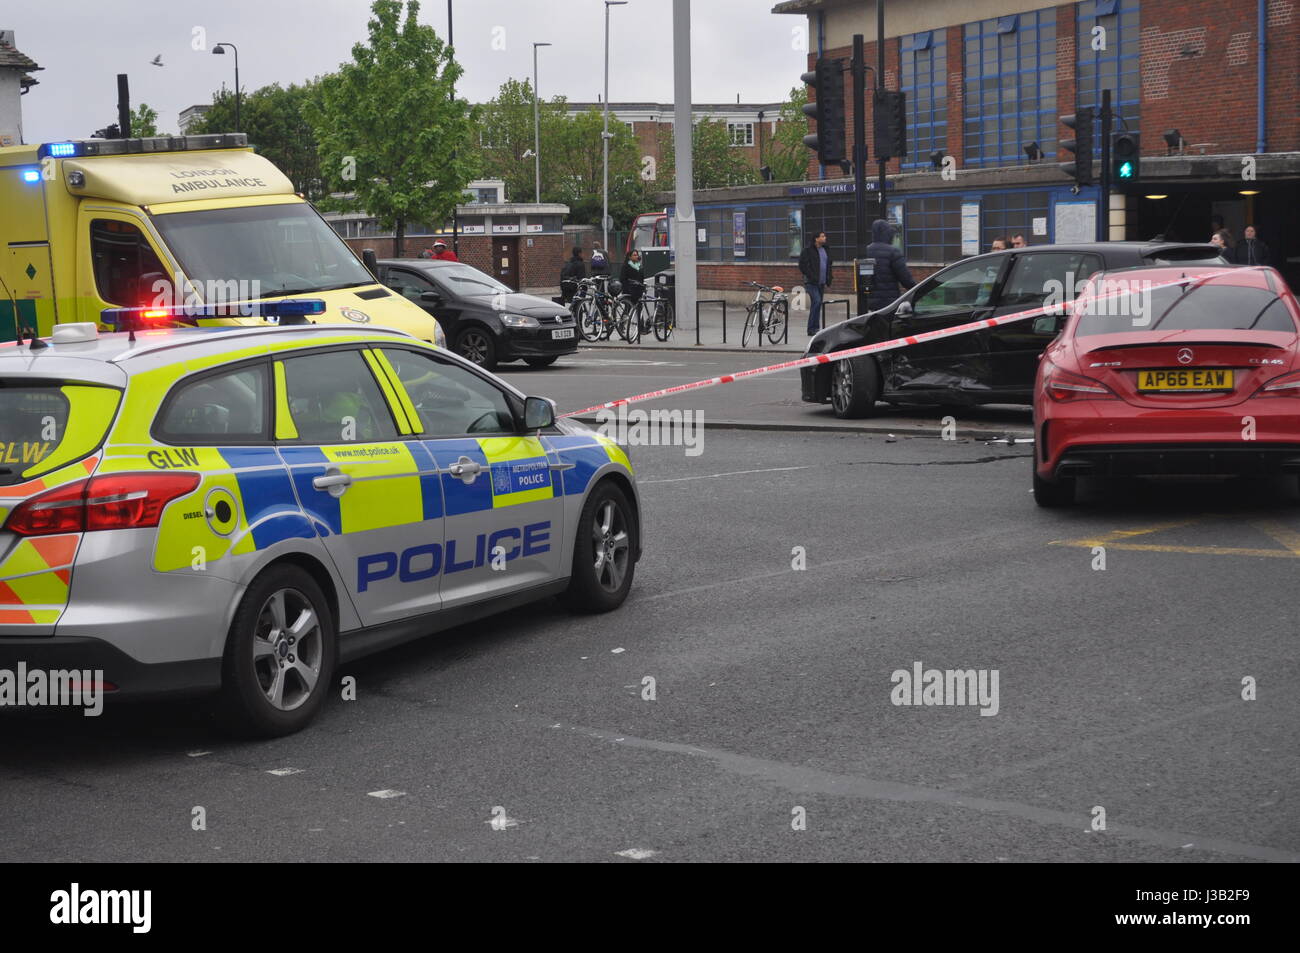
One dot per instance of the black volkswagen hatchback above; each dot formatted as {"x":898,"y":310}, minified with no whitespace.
{"x":994,"y":366}
{"x":483,"y":319}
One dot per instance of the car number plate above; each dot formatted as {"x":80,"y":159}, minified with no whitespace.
{"x":560,"y":333}
{"x":1185,"y":379}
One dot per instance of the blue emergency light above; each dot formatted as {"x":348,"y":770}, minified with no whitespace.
{"x":31,"y":175}
{"x":138,"y":319}
{"x":61,"y":150}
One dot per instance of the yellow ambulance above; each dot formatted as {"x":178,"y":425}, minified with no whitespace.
{"x":199,"y":223}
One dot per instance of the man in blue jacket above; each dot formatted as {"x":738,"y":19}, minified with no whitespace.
{"x":815,"y":265}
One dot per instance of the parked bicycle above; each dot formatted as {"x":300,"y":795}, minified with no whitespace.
{"x":594,"y":308}
{"x":766,"y":315}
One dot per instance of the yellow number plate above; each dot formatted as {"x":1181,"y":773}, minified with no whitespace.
{"x":1183,"y":379}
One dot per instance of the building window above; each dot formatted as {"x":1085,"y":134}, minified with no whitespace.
{"x":924,"y":78}
{"x":1117,"y":67}
{"x":1003,"y":214}
{"x":1010,"y":87}
{"x":741,"y":133}
{"x":932,"y":228}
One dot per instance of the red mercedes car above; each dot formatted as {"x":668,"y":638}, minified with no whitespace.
{"x":1170,"y":370}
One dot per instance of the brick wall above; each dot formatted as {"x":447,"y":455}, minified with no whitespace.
{"x":538,"y":266}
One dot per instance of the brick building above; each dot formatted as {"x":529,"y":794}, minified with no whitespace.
{"x":986,"y":80}
{"x":750,"y":126}
{"x":522,"y":244}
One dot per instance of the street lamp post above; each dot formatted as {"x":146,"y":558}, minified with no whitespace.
{"x":537,"y":133}
{"x":221,"y":49}
{"x":604,"y":136}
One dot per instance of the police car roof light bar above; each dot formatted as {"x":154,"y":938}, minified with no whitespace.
{"x":286,"y":311}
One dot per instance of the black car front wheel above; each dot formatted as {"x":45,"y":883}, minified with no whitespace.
{"x":476,"y":345}
{"x":855,"y":385}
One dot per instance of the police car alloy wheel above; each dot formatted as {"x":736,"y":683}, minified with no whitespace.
{"x":603,"y":563}
{"x":280,"y":653}
{"x":855,"y":382}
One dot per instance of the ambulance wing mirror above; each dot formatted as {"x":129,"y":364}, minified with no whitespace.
{"x":539,"y":413}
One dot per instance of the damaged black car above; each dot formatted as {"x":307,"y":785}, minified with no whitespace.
{"x":990,"y":366}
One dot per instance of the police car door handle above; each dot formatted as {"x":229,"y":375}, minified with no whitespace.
{"x":334,"y":481}
{"x":465,"y":470}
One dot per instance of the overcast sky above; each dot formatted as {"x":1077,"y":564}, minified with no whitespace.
{"x":738,"y":47}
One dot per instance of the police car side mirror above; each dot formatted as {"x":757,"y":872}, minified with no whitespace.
{"x":539,"y":413}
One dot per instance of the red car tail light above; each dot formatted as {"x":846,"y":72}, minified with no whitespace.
{"x":1288,"y":385}
{"x":113,"y":501}
{"x":1063,"y":385}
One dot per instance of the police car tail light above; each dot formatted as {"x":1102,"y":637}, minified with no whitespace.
{"x":114,"y":501}
{"x":1062,"y":386}
{"x":133,"y":500}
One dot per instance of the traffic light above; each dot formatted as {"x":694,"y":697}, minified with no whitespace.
{"x":827,"y":81}
{"x":1081,"y":146}
{"x":1126,"y":161}
{"x":891,"y":124}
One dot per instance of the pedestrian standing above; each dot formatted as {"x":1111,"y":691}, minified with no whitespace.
{"x":442,"y":253}
{"x":890,"y":276}
{"x":1220,"y":240}
{"x":574,"y":270}
{"x":599,"y":261}
{"x":817,"y":268}
{"x":1250,"y":250}
{"x":999,"y":244}
{"x":1018,"y":241}
{"x":630,"y":276}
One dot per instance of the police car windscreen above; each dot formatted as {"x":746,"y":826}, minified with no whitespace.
{"x":285,"y":249}
{"x":1128,"y":307}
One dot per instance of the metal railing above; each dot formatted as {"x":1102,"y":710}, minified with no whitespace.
{"x":700,"y":301}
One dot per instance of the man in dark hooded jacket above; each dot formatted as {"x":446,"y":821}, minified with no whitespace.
{"x":891,"y":277}
{"x":1250,"y":250}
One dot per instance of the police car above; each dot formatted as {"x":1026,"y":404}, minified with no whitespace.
{"x":244,"y":509}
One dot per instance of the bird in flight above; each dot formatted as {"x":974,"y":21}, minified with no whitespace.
{"x":156,"y":61}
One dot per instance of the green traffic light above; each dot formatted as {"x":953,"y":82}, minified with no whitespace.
{"x":1126,"y":170}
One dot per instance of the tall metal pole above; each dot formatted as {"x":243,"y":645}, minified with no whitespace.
{"x":237,"y":96}
{"x":537,"y":133}
{"x":684,"y":210}
{"x":880,"y":85}
{"x":455,"y":209}
{"x":604,"y":136}
{"x":123,"y":106}
{"x":1103,"y":226}
{"x":859,"y":147}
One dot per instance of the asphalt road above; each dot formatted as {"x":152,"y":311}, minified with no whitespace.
{"x":1119,"y":689}
{"x":597,"y":375}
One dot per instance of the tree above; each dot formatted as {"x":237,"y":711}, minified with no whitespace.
{"x":144,"y":121}
{"x":784,"y":153}
{"x":389,"y":128}
{"x":505,"y":134}
{"x":577,"y":159}
{"x":274,"y":117}
{"x":716,"y":163}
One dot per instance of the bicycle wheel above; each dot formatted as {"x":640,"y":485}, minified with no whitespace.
{"x":777,"y":317}
{"x":662,"y":321}
{"x":753,"y":315}
{"x":606,"y":319}
{"x":588,"y":319}
{"x":629,"y":327}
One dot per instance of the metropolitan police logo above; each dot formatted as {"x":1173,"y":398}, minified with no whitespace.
{"x":501,"y":479}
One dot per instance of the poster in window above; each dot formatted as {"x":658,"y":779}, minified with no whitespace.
{"x":896,"y":221}
{"x":796,"y":232}
{"x":738,"y":234}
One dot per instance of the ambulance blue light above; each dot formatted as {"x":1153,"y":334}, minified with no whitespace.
{"x":31,"y":175}
{"x":61,"y":150}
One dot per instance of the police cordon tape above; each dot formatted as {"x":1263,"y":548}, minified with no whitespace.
{"x":813,"y":360}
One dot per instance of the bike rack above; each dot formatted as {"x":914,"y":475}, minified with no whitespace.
{"x":700,"y":301}
{"x":825,"y":304}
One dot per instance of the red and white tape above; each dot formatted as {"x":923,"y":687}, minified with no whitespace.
{"x":876,"y":348}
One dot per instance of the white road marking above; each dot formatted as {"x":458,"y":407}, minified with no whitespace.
{"x":197,"y":754}
{"x":616,"y":651}
{"x":714,"y":476}
{"x":386,"y":793}
{"x":636,"y":853}
{"x":284,"y":772}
